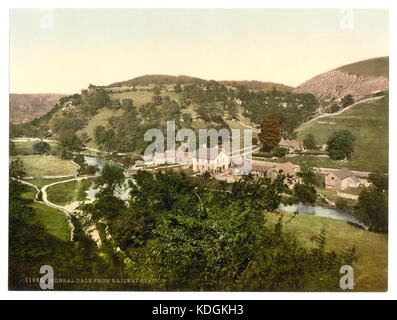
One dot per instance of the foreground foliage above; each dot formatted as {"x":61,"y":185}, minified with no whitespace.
{"x":198,"y":239}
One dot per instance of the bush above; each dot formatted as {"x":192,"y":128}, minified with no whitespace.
{"x":335,"y":108}
{"x":279,"y":152}
{"x":263,"y":154}
{"x":79,"y":159}
{"x":343,"y":204}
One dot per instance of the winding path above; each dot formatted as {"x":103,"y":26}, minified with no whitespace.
{"x":51,"y":205}
{"x":339,"y":112}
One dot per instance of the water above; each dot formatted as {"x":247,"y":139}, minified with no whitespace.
{"x":323,"y":212}
{"x":122,"y":193}
{"x":336,"y":214}
{"x":92,"y":161}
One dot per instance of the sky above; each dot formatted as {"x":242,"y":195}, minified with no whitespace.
{"x":64,"y":50}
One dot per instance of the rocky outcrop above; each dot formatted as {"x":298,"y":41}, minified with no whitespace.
{"x":335,"y":84}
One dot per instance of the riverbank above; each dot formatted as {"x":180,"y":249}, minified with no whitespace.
{"x":370,"y":269}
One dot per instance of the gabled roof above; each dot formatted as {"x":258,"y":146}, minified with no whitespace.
{"x":288,"y":168}
{"x":289,"y":143}
{"x":260,"y":168}
{"x":171,"y":154}
{"x":208,"y":153}
{"x":343,"y":173}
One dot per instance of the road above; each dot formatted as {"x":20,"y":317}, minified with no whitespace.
{"x":339,"y":112}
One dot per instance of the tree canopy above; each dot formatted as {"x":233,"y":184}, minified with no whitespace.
{"x":340,"y":144}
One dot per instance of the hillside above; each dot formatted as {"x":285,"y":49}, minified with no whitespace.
{"x":376,"y":67}
{"x":26,"y":107}
{"x":257,"y":85}
{"x":360,"y":79}
{"x":161,"y":79}
{"x":369,"y":124}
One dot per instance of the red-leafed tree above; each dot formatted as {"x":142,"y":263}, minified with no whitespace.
{"x":272,"y":128}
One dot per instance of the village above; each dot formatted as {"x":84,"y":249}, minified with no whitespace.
{"x":227,"y":168}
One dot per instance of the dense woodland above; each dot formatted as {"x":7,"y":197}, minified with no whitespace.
{"x":212,"y":102}
{"x":175,"y":229}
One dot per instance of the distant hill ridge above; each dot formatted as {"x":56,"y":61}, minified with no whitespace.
{"x":360,"y":79}
{"x":163,"y":79}
{"x":25,"y":107}
{"x":157,"y":79}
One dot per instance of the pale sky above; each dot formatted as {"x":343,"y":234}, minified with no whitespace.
{"x":64,"y":51}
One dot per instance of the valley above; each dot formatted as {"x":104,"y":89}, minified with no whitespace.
{"x":185,"y":211}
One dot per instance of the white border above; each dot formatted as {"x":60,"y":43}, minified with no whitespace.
{"x":4,"y":20}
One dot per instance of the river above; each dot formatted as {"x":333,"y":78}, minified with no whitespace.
{"x":323,"y":212}
{"x":122,"y":193}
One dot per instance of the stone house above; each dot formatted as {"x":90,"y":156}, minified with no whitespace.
{"x":341,"y":180}
{"x":260,"y":168}
{"x":290,"y":145}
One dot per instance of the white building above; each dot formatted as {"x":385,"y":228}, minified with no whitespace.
{"x":173,"y":157}
{"x":210,"y":159}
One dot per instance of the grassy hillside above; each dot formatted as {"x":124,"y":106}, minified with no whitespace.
{"x":370,"y":269}
{"x":377,"y":67}
{"x":368,"y":122}
{"x":64,"y":193}
{"x":26,"y":147}
{"x":53,"y":220}
{"x":100,"y":119}
{"x":38,"y":166}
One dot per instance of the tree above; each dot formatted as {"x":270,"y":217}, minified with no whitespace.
{"x":305,"y":192}
{"x":11,"y":148}
{"x":347,"y":100}
{"x":372,"y":209}
{"x":379,"y":180}
{"x":157,"y":100}
{"x":271,"y":130}
{"x":41,"y":147}
{"x":335,"y":108}
{"x":177,"y":88}
{"x":279,"y":152}
{"x":340,"y":145}
{"x":112,"y":176}
{"x":17,"y":169}
{"x":310,"y":142}
{"x":69,"y":141}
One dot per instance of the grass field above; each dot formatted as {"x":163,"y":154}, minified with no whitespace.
{"x":38,"y":166}
{"x":26,"y":147}
{"x":369,"y":124}
{"x":370,"y":270}
{"x":64,"y":193}
{"x":53,"y":220}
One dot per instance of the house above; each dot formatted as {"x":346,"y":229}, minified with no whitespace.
{"x":210,"y":159}
{"x":341,"y":180}
{"x":260,"y":168}
{"x":139,"y":164}
{"x":173,"y":157}
{"x":291,"y":146}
